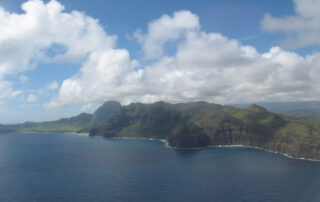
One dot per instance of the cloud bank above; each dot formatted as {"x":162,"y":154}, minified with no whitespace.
{"x":206,"y":66}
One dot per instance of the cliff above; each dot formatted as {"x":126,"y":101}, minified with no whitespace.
{"x":202,"y":124}
{"x":190,"y":125}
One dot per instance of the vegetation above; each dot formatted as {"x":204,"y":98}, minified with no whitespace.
{"x":188,"y":125}
{"x":81,"y":123}
{"x":304,"y":113}
{"x":202,"y":124}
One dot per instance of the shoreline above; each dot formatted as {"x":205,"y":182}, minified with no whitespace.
{"x":214,"y":146}
{"x":62,"y":133}
{"x":167,"y":144}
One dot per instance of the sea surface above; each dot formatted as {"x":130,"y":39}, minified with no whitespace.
{"x":70,"y":167}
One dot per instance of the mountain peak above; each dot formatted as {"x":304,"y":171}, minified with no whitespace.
{"x":110,"y":102}
{"x":104,"y":112}
{"x":256,"y":108}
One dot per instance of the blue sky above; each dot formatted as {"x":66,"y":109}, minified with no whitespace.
{"x":57,"y":63}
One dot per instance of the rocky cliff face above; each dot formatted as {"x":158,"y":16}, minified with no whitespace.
{"x":201,"y":124}
{"x":190,"y":125}
{"x":105,"y":111}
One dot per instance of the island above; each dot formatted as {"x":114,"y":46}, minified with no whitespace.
{"x":192,"y":125}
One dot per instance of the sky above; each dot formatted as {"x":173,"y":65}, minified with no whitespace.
{"x":60,"y":58}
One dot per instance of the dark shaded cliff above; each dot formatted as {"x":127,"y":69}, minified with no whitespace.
{"x":190,"y":125}
{"x":202,"y":124}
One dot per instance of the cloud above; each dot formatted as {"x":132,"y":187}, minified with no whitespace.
{"x":23,"y":78}
{"x":206,"y":66}
{"x":90,"y":107}
{"x":164,"y":30}
{"x":52,"y":86}
{"x":7,"y":92}
{"x":31,"y":98}
{"x":106,"y":75}
{"x":211,"y":67}
{"x":301,"y":29}
{"x":45,"y":33}
{"x":26,"y":38}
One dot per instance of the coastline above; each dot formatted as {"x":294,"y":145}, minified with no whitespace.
{"x":167,"y":144}
{"x":62,"y":133}
{"x":213,"y":146}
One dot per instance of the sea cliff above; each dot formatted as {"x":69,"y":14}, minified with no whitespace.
{"x":201,"y":124}
{"x":192,"y":125}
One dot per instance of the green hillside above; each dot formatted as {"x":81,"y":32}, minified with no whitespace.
{"x":304,"y":113}
{"x":189,"y":125}
{"x":81,"y":123}
{"x":202,"y":124}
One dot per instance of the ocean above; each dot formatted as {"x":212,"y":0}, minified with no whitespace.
{"x":71,"y":167}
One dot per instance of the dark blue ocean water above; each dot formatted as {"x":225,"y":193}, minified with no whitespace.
{"x":56,"y":167}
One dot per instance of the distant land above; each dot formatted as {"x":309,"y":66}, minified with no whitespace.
{"x":300,"y":110}
{"x":191,"y":125}
{"x":80,"y":123}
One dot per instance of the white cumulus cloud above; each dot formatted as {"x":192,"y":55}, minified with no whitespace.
{"x":166,"y":29}
{"x":31,"y":98}
{"x":7,"y":92}
{"x":43,"y":32}
{"x":26,"y":38}
{"x":106,"y":75}
{"x":301,"y":29}
{"x":53,"y":86}
{"x":206,"y":66}
{"x":211,"y":67}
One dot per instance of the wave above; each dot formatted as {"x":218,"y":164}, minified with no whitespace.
{"x":215,"y":146}
{"x":167,"y":145}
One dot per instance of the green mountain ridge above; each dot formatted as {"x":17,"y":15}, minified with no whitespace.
{"x":190,"y":125}
{"x":300,"y":110}
{"x":80,"y":123}
{"x":202,"y":124}
{"x":304,"y":113}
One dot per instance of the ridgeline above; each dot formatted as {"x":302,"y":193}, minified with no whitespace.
{"x":190,"y":125}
